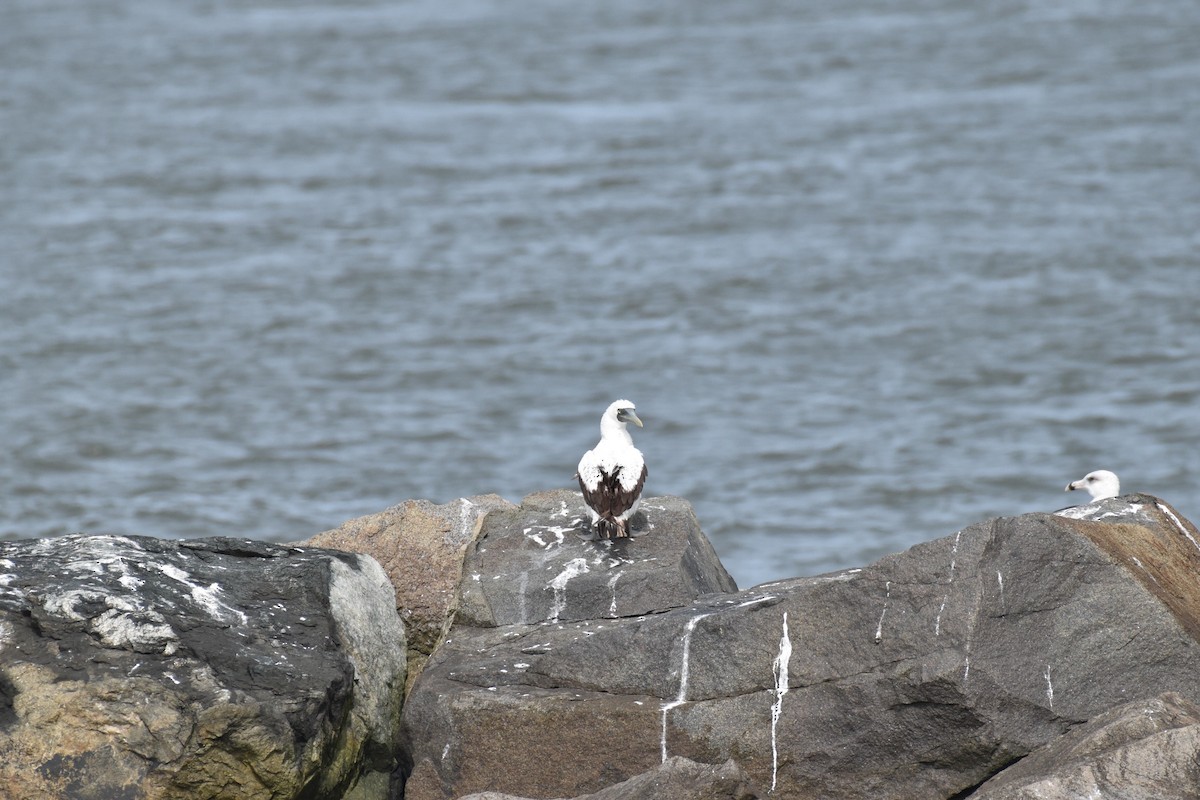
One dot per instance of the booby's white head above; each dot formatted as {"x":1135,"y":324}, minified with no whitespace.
{"x":616,"y":416}
{"x":1100,"y":484}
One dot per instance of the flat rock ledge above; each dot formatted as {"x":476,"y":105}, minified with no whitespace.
{"x":1034,"y":656}
{"x":134,"y":668}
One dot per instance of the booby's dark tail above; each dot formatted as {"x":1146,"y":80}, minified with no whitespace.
{"x":611,"y":528}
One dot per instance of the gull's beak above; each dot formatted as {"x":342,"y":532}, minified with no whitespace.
{"x":628,"y":415}
{"x":1071,"y":486}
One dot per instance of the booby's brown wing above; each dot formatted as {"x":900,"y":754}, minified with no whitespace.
{"x":608,"y":498}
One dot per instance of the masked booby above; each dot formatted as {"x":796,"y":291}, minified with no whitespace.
{"x":612,"y":473}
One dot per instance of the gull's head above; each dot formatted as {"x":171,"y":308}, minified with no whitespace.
{"x":1100,"y":484}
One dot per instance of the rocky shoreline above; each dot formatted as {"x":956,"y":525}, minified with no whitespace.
{"x":491,"y":650}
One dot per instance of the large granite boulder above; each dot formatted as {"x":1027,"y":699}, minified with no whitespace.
{"x":421,"y":547}
{"x":538,"y":567}
{"x":922,"y":675}
{"x":134,"y":668}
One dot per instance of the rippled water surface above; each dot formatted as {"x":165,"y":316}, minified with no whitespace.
{"x":871,"y":272}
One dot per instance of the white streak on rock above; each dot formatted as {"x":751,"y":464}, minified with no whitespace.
{"x":466,"y":520}
{"x":781,"y":688}
{"x":1073,"y":512}
{"x":1089,"y":511}
{"x":206,"y":597}
{"x":130,"y":582}
{"x":1178,"y":524}
{"x":1124,"y":512}
{"x":837,"y":577}
{"x":559,"y":534}
{"x":681,"y":696}
{"x":756,"y":601}
{"x":575,"y":567}
{"x":966,"y":668}
{"x":174,"y":573}
{"x":1049,"y":688}
{"x":886,"y":599}
{"x":1000,"y":583}
{"x":937,"y":625}
{"x":1142,"y":567}
{"x":612,"y":587}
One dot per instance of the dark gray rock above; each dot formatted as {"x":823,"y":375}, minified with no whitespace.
{"x":919,"y":676}
{"x":1144,"y":750}
{"x":133,"y":667}
{"x":676,"y":779}
{"x":539,"y":562}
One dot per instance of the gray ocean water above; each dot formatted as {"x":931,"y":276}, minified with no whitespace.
{"x":871,"y":271}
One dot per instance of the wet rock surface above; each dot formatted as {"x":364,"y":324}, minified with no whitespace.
{"x":133,"y":667}
{"x":922,"y":675}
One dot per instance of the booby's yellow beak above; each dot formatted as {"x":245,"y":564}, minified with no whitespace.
{"x":628,"y":415}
